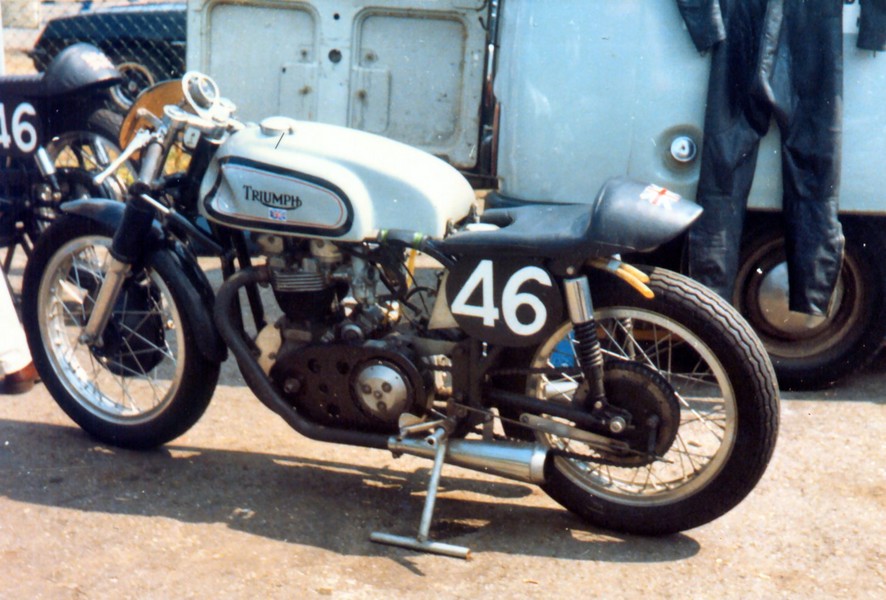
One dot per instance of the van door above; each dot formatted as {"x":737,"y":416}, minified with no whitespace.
{"x":411,"y":70}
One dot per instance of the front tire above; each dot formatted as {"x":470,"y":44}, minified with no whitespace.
{"x":80,"y":154}
{"x":726,"y":420}
{"x":148,"y":382}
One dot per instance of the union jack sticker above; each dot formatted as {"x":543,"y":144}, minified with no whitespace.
{"x":277,"y":214}
{"x":659,"y":196}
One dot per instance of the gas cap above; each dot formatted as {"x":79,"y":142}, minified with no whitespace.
{"x":684,"y":149}
{"x":278,"y":125}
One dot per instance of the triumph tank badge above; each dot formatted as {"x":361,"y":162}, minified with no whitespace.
{"x":271,"y":199}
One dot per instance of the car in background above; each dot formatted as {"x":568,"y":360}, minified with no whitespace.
{"x":146,"y":42}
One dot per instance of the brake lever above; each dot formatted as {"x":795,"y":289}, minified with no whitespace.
{"x":154,"y":120}
{"x":139,"y":141}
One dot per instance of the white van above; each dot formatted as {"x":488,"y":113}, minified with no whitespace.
{"x":542,"y":101}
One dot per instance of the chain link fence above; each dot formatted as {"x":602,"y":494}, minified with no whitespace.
{"x":146,"y":40}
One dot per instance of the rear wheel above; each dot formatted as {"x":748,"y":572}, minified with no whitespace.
{"x":147,"y":382}
{"x":78,"y":155}
{"x":689,"y":359}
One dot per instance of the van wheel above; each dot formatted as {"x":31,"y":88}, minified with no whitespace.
{"x":815,"y":352}
{"x":136,"y":78}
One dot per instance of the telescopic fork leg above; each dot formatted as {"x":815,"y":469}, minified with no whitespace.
{"x":422,"y":542}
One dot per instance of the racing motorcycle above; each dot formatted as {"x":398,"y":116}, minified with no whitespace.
{"x":55,"y":135}
{"x":523,"y":347}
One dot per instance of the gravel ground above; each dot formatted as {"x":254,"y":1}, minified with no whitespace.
{"x":241,"y":506}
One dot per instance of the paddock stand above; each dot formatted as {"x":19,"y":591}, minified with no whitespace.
{"x":439,"y":441}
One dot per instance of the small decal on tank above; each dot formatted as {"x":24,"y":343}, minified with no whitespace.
{"x":659,"y":196}
{"x":276,"y":214}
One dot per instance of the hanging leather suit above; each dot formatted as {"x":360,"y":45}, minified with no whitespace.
{"x":781,"y":60}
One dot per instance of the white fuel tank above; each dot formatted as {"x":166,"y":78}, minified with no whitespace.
{"x":302,"y":178}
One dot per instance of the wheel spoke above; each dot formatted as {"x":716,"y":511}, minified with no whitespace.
{"x":140,"y":374}
{"x":697,"y":380}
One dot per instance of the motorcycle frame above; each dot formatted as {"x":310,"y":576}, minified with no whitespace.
{"x":475,"y":362}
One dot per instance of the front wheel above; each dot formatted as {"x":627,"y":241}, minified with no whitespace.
{"x":80,"y":154}
{"x":147,"y":382}
{"x":691,"y":360}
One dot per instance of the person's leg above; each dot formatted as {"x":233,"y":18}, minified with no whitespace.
{"x":15,"y":358}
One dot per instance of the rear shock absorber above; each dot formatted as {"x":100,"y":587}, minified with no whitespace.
{"x":588,"y":349}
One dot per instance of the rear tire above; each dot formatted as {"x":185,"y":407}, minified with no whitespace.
{"x":148,"y":383}
{"x":78,"y":154}
{"x":726,"y":394}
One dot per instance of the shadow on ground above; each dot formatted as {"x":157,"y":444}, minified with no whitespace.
{"x":330,"y":505}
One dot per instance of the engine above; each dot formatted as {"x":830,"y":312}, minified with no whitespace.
{"x":335,"y":353}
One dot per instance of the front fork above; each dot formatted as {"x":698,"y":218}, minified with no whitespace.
{"x":130,"y":244}
{"x":107,"y":297}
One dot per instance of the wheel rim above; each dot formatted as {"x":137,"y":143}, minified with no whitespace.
{"x":77,"y":156}
{"x":136,"y":79}
{"x":707,"y":429}
{"x":762,"y":298}
{"x":67,"y":291}
{"x":90,"y":152}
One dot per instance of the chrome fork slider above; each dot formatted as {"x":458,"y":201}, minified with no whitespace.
{"x":104,"y":303}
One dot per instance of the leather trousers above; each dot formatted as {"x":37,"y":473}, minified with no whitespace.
{"x":781,"y":61}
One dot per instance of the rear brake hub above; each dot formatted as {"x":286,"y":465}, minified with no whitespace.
{"x":653,"y":407}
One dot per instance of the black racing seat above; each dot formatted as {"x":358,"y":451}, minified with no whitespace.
{"x":77,"y":66}
{"x":23,"y":86}
{"x":626,"y":216}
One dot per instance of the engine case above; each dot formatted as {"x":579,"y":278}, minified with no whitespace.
{"x":358,"y":386}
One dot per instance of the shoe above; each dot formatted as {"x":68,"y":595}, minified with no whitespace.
{"x":21,"y":381}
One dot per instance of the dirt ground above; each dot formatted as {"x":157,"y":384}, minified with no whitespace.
{"x":241,"y":506}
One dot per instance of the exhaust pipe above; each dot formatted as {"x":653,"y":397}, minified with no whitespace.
{"x":511,"y":460}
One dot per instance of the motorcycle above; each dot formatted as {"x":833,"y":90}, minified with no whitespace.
{"x":55,"y":134}
{"x":633,"y":396}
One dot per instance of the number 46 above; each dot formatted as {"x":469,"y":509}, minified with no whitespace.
{"x":24,"y":134}
{"x":511,"y":298}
